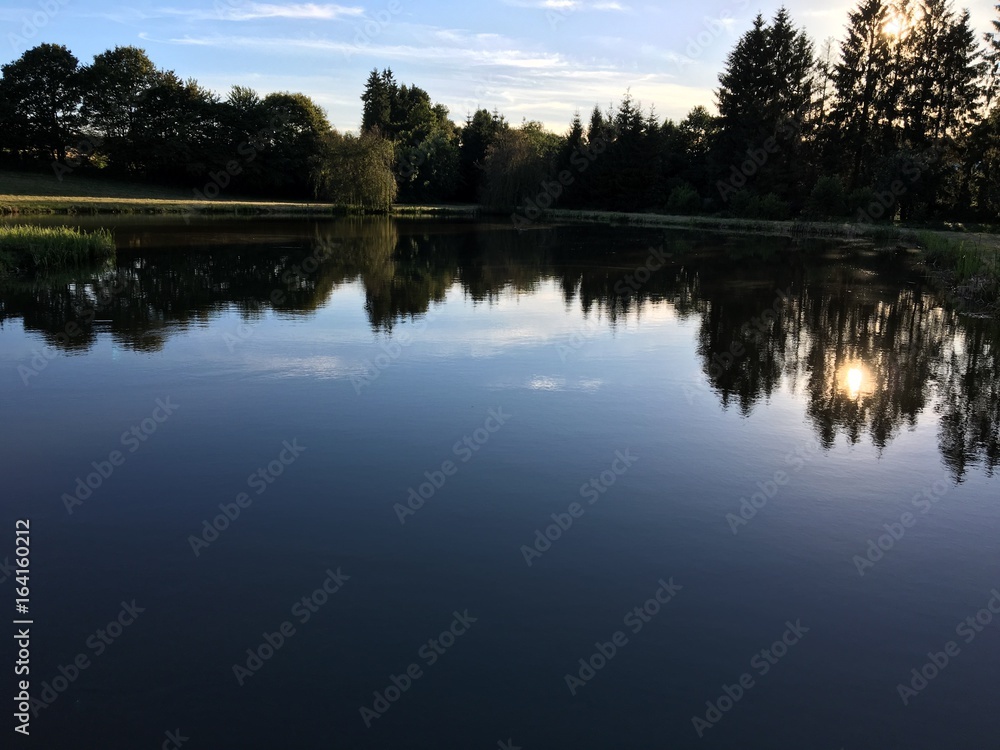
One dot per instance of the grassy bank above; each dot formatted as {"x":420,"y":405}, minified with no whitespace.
{"x":964,"y":265}
{"x":27,"y":249}
{"x":791,"y":228}
{"x":26,"y":206}
{"x":968,"y":267}
{"x":35,"y":194}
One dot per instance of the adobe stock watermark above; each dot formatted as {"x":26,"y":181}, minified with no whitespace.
{"x":323,"y":250}
{"x":97,"y":643}
{"x":585,"y":332}
{"x":761,"y":663}
{"x":247,"y":151}
{"x":581,"y":160}
{"x":913,"y":170}
{"x":302,"y":611}
{"x":36,"y":22}
{"x":83,"y":149}
{"x":413,"y":161}
{"x":756,"y":159}
{"x":223,"y":10}
{"x":174,"y":740}
{"x":768,"y":489}
{"x":372,"y":27}
{"x":6,"y":570}
{"x":392,"y":350}
{"x":243,"y":333}
{"x":630,"y":283}
{"x":132,"y":439}
{"x":634,"y":281}
{"x":713,"y":29}
{"x":896,"y":530}
{"x":41,"y":357}
{"x":259,"y":481}
{"x":590,"y":491}
{"x":87,"y":146}
{"x":429,"y":653}
{"x":558,"y":11}
{"x":486,"y":89}
{"x":937,"y":661}
{"x":635,"y":620}
{"x":753,"y":330}
{"x":464,"y":449}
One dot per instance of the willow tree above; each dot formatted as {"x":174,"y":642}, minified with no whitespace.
{"x":355,"y":171}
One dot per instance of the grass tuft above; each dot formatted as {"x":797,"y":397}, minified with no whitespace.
{"x":970,"y":268}
{"x":965,"y":259}
{"x":29,"y":249}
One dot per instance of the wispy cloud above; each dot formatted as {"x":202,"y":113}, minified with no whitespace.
{"x":569,"y":6}
{"x":474,"y":54}
{"x":235,"y":10}
{"x":522,"y":82}
{"x":553,"y":95}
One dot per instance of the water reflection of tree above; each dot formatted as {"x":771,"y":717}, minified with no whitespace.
{"x":911,"y":352}
{"x":969,"y":398}
{"x":402,"y":277}
{"x":891,"y":336}
{"x":829,"y":316}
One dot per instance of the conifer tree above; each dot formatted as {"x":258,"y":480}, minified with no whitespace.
{"x":862,"y":81}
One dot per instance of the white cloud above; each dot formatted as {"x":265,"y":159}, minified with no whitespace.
{"x":521,"y":83}
{"x":235,"y":10}
{"x":569,"y":6}
{"x":453,"y":56}
{"x":302,"y":11}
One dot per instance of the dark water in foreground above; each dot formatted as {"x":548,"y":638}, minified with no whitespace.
{"x":758,"y":476}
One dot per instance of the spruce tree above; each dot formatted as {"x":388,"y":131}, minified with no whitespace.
{"x":862,"y":81}
{"x":765,"y":97}
{"x":377,"y":98}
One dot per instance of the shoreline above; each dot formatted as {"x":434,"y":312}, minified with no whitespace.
{"x":943,"y":252}
{"x":34,"y":206}
{"x":29,"y":206}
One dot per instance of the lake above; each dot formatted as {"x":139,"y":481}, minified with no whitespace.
{"x":379,"y":483}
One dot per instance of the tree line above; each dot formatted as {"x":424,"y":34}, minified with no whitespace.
{"x":899,"y":120}
{"x":124,"y":117}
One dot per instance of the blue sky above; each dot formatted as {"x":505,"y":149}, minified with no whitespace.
{"x":540,"y":59}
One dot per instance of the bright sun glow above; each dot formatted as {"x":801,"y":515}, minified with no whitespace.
{"x":854,"y":381}
{"x":898,"y":23}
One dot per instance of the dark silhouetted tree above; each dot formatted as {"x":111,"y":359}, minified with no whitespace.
{"x":41,"y":90}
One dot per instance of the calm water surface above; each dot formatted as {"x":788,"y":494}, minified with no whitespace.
{"x":750,"y":484}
